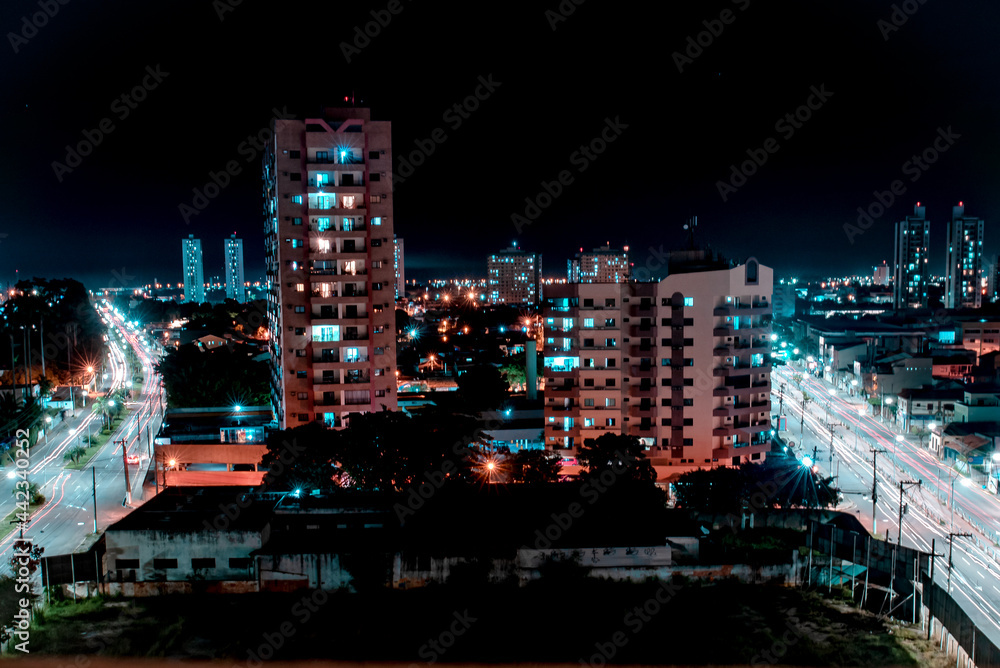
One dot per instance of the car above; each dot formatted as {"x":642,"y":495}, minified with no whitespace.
{"x":132,"y":459}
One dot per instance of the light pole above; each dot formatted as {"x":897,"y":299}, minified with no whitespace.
{"x":48,"y":421}
{"x":966,"y":483}
{"x":898,"y":439}
{"x":875,"y":452}
{"x":899,"y":536}
{"x":950,"y":545}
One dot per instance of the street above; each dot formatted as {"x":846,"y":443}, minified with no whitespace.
{"x":975,"y":577}
{"x":67,"y":519}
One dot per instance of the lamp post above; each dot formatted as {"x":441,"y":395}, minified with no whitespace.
{"x":48,"y":421}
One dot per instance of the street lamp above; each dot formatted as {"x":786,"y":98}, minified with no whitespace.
{"x":48,"y":421}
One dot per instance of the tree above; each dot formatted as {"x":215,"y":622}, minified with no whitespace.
{"x":301,"y":458}
{"x":921,"y":433}
{"x":221,"y":377}
{"x":616,"y":457}
{"x":534,"y":466}
{"x":514,"y":374}
{"x":74,"y":454}
{"x":483,"y":388}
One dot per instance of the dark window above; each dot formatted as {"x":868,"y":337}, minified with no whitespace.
{"x":376,"y":286}
{"x":376,"y":242}
{"x":588,"y":382}
{"x":295,"y":176}
{"x":665,"y":322}
{"x":164,"y":563}
{"x":203,"y":562}
{"x":611,"y":382}
{"x":609,"y":303}
{"x":301,"y":374}
{"x":239,"y":562}
{"x":689,"y":402}
{"x":373,"y":155}
{"x":587,"y":343}
{"x":665,"y":382}
{"x":296,"y":221}
{"x":588,"y":302}
{"x":664,"y":402}
{"x":689,"y":382}
{"x":688,"y":422}
{"x":126,"y":563}
{"x":689,"y":322}
{"x":609,"y":322}
{"x":664,"y":422}
{"x":303,"y":417}
{"x":300,"y":330}
{"x":295,"y":154}
{"x":374,"y":177}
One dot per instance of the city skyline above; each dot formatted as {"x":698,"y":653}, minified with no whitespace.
{"x":813,"y":142}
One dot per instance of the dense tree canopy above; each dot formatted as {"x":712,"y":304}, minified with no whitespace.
{"x":220,"y":377}
{"x":483,"y":388}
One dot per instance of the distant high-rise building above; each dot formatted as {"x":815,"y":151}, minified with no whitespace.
{"x":683,"y":364}
{"x":329,"y":254}
{"x":881,"y":275}
{"x":234,"y":269}
{"x":992,"y":284}
{"x":513,"y":276}
{"x":194,"y":270}
{"x":397,"y":262}
{"x":964,"y":272}
{"x":913,"y":239}
{"x":601,"y":265}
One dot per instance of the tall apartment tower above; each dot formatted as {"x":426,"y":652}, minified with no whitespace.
{"x":601,"y":265}
{"x":329,"y":248}
{"x":513,"y":276}
{"x":234,"y":269}
{"x":913,"y":240}
{"x":194,"y":270}
{"x":683,"y":364}
{"x":964,"y":273}
{"x":397,"y":263}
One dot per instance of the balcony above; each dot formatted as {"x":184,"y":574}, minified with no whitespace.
{"x":641,"y":371}
{"x":642,"y":391}
{"x":559,"y":389}
{"x":742,"y":409}
{"x":639,"y":350}
{"x":742,"y":309}
{"x":642,"y":331}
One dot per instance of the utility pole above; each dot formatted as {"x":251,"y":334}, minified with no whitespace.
{"x":899,"y":536}
{"x":93,"y":471}
{"x":128,"y":488}
{"x":832,"y":427}
{"x":950,"y":545}
{"x":875,"y":452}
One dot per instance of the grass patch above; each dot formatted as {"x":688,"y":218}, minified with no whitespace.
{"x":792,"y":626}
{"x":100,"y":440}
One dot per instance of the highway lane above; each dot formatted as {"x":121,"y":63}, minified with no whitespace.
{"x":976,"y":573}
{"x":67,"y":519}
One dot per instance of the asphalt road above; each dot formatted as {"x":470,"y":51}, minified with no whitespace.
{"x":67,"y":519}
{"x":975,"y":577}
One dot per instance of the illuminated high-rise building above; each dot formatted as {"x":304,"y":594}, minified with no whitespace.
{"x":194,"y":270}
{"x":513,"y":276}
{"x":397,"y":263}
{"x":965,"y":278}
{"x":234,"y":268}
{"x":683,"y":364}
{"x":601,"y":265}
{"x":913,"y":239}
{"x":330,"y":270}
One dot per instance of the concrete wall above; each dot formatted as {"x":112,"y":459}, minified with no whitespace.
{"x":147,"y":545}
{"x":287,"y":572}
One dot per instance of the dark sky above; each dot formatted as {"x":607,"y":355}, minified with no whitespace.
{"x":116,"y":215}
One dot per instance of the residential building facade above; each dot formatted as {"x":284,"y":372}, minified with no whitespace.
{"x":194,"y":270}
{"x":329,"y":248}
{"x":513,"y":276}
{"x":964,"y":272}
{"x":682,"y":364}
{"x":397,"y":263}
{"x":601,"y":265}
{"x":913,"y":240}
{"x":234,"y":269}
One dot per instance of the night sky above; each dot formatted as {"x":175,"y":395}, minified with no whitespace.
{"x":224,"y":68}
